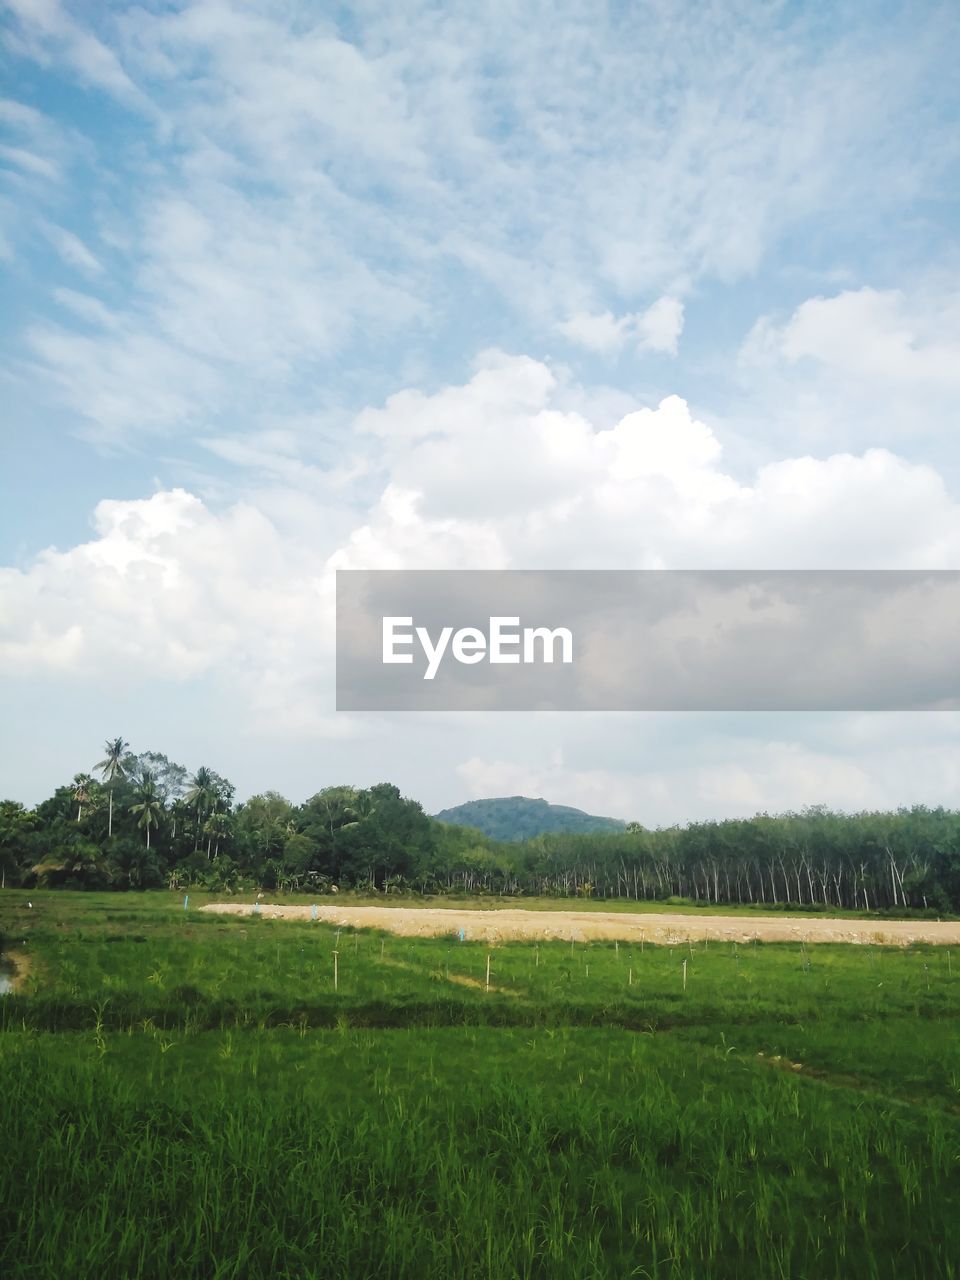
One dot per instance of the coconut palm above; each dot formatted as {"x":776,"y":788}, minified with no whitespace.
{"x":149,"y":809}
{"x":82,"y":782}
{"x":149,"y":804}
{"x":201,"y":796}
{"x":111,"y":768}
{"x":177,"y":810}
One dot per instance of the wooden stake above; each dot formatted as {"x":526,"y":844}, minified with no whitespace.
{"x":487,"y":988}
{"x":684,"y":975}
{"x":629,"y":977}
{"x":382,"y":941}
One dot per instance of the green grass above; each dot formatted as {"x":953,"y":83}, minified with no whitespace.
{"x":184,"y":1094}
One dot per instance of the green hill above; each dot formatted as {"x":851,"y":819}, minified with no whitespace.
{"x":518,"y":818}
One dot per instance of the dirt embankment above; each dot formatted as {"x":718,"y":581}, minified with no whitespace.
{"x":582,"y":926}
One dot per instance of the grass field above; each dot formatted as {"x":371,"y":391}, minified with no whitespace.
{"x":189,"y":1095}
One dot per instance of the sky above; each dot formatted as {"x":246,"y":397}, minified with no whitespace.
{"x":289,"y":288}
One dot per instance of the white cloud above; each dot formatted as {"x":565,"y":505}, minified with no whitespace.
{"x":46,"y":28}
{"x":488,"y":474}
{"x":73,"y":251}
{"x":30,"y":162}
{"x":526,"y":483}
{"x":868,"y":334}
{"x":167,"y":591}
{"x":309,"y":190}
{"x":656,"y":329}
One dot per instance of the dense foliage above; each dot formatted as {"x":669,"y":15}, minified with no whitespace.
{"x":146,"y":822}
{"x":519,"y":818}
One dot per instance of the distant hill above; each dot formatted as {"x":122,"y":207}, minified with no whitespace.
{"x":518,"y":818}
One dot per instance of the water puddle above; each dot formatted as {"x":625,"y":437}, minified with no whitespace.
{"x":7,"y":974}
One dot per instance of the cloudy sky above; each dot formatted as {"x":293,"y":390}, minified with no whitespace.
{"x":291,"y":287}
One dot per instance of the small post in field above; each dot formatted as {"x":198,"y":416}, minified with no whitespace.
{"x":629,"y":977}
{"x":336,"y":970}
{"x":616,"y":946}
{"x":684,"y":975}
{"x":487,"y":987}
{"x":536,"y":962}
{"x":641,"y":942}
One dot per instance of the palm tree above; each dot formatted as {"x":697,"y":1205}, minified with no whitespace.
{"x":111,"y":769}
{"x":200,"y":796}
{"x":149,"y":806}
{"x":177,"y":810}
{"x":82,"y":782}
{"x":217,"y":827}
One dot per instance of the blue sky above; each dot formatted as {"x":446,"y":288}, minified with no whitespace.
{"x":289,"y":288}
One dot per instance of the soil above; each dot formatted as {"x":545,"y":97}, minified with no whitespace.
{"x":582,"y":926}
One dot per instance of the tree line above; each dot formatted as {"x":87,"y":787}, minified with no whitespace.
{"x":138,"y":821}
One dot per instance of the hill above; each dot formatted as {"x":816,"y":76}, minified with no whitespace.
{"x":519,"y":817}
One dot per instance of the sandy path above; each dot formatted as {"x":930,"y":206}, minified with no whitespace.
{"x":514,"y":923}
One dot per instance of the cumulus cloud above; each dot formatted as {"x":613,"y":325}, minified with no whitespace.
{"x":168,"y":591}
{"x":488,"y":474}
{"x":528,"y":484}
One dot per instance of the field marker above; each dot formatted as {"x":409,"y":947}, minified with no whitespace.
{"x":536,"y":963}
{"x":488,"y":972}
{"x":382,"y":942}
{"x":629,"y":977}
{"x":684,"y":975}
{"x":336,"y":970}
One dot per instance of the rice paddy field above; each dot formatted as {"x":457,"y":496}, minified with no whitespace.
{"x":190,"y":1095}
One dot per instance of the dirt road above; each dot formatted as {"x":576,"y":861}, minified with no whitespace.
{"x":514,"y":923}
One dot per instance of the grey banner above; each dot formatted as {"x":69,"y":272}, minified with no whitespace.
{"x":655,"y":640}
